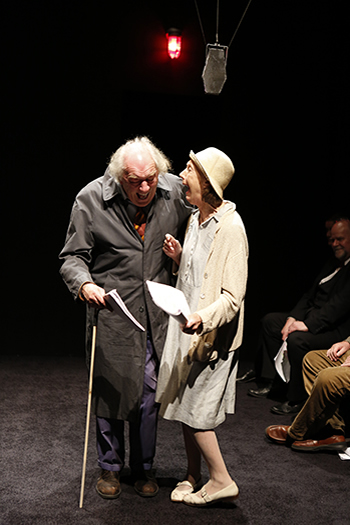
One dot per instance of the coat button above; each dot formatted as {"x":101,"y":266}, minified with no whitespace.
{"x":141,"y":309}
{"x":202,"y":295}
{"x":205,"y":276}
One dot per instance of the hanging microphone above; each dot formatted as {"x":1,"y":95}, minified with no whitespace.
{"x":214,"y":72}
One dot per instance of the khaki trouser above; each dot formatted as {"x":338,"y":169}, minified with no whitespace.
{"x":326,"y":382}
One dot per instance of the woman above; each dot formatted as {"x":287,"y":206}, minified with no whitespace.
{"x":196,"y":383}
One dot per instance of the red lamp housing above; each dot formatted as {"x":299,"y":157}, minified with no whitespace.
{"x":174,"y":42}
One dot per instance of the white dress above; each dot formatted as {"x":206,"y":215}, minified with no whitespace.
{"x":197,"y":394}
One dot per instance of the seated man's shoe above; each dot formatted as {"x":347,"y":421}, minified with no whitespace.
{"x":260,"y":392}
{"x":278,"y":434}
{"x":335,"y":443}
{"x":202,"y":499}
{"x":108,"y":484}
{"x":146,"y":484}
{"x":247,"y":377}
{"x":286,"y":408}
{"x":183,"y":488}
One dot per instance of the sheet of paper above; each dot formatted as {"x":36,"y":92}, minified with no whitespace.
{"x":119,"y":307}
{"x":282,"y":363}
{"x":345,"y":455}
{"x":169,"y":299}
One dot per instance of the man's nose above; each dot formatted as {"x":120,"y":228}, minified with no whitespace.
{"x":144,"y":186}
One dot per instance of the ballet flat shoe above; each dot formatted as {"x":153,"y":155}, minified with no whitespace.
{"x":178,"y":495}
{"x":202,"y":499}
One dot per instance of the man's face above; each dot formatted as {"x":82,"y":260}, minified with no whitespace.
{"x":340,"y":240}
{"x":140,"y":177}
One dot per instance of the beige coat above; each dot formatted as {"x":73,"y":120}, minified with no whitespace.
{"x":221,"y":302}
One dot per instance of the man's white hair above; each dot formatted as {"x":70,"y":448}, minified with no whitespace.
{"x":117,"y":162}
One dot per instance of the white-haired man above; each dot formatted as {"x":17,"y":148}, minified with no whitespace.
{"x":114,"y":240}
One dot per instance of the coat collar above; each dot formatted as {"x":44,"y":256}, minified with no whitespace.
{"x":111,"y":188}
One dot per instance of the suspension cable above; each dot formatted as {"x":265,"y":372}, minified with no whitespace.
{"x":217,"y":22}
{"x":234,"y":34}
{"x":200,"y":23}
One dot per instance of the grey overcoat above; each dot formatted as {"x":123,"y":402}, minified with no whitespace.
{"x":103,"y":246}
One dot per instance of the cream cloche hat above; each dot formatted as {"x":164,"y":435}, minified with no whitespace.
{"x":216,"y":166}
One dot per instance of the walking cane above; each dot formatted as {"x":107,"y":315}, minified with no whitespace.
{"x":92,"y":360}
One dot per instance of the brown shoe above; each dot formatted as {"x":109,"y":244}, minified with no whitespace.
{"x":278,"y":434}
{"x":336,"y":443}
{"x":108,"y":484}
{"x":146,"y":484}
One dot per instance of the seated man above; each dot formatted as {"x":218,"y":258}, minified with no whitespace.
{"x":319,"y":425}
{"x":321,"y":317}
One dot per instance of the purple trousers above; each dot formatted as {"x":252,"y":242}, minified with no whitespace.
{"x":142,"y":434}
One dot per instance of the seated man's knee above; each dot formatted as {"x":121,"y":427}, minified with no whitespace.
{"x":272,"y":322}
{"x":308,"y":360}
{"x":327,"y":380}
{"x":315,"y":360}
{"x":297,"y":342}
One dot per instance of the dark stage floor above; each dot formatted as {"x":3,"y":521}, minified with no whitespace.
{"x":43,"y":410}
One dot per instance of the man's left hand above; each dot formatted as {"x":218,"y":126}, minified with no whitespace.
{"x":297,"y":326}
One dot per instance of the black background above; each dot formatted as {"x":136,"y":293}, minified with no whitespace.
{"x":83,"y":77}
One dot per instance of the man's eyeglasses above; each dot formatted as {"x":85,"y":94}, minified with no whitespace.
{"x":136,"y":181}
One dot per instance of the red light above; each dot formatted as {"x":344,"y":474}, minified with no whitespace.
{"x":174,"y":45}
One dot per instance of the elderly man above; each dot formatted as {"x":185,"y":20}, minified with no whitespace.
{"x":319,"y":425}
{"x":321,"y":317}
{"x":115,"y":240}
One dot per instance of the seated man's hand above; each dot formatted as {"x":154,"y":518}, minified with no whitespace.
{"x":294,"y":326}
{"x":298,"y":326}
{"x":337,"y":350}
{"x":285,"y":329}
{"x":346,"y":362}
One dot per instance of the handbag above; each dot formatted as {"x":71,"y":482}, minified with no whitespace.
{"x":202,"y":348}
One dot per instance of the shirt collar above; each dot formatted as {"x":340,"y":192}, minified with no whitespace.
{"x":227,"y":205}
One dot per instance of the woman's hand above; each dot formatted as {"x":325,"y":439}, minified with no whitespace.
{"x":194,"y":322}
{"x":172,"y":248}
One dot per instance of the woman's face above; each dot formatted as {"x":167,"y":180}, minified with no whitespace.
{"x":195,"y":182}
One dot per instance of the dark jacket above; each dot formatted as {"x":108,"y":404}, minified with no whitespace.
{"x":326,"y":307}
{"x":103,"y":246}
